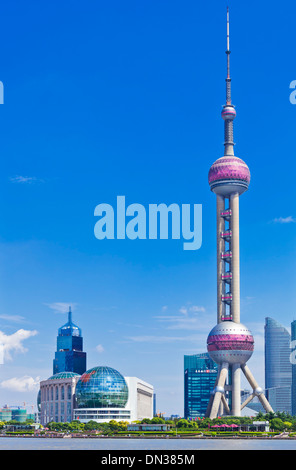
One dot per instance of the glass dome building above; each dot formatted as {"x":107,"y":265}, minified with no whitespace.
{"x":101,"y":387}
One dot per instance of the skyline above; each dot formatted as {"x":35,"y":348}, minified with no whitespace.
{"x":141,"y":121}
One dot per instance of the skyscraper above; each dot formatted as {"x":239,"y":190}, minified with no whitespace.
{"x":200,"y":373}
{"x":278,"y":367}
{"x":230,"y":344}
{"x":69,"y":356}
{"x":293,"y":362}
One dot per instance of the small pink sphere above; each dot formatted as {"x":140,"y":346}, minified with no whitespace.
{"x":228,"y":112}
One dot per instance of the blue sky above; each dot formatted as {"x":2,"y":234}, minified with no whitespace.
{"x":123,"y":98}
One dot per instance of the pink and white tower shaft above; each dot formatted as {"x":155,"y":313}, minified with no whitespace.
{"x":230,"y":344}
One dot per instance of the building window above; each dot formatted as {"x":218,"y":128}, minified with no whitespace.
{"x":62,"y":412}
{"x":69,"y":411}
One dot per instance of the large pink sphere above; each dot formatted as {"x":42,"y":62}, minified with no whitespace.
{"x":230,"y":342}
{"x":229,"y":174}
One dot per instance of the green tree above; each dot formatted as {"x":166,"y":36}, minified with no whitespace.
{"x":171,"y":422}
{"x":277,"y":424}
{"x":122,"y":425}
{"x":182,"y":423}
{"x":76,"y":425}
{"x":91,"y":426}
{"x":157,"y":420}
{"x":145,"y":421}
{"x":287,"y":425}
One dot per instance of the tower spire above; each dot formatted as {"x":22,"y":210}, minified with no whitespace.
{"x":70,"y":315}
{"x":227,"y":28}
{"x":228,"y":79}
{"x":228,"y":111}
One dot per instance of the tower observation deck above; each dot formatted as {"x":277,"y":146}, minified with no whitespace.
{"x":230,"y":344}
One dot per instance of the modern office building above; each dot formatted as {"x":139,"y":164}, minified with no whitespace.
{"x":230,"y":343}
{"x":200,"y":373}
{"x":69,"y":356}
{"x":103,"y":394}
{"x":293,"y":363}
{"x":278,"y":367}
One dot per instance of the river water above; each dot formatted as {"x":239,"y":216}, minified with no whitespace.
{"x":22,"y":443}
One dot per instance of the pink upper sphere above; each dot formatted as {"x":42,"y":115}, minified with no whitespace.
{"x":229,"y":168}
{"x":228,"y":112}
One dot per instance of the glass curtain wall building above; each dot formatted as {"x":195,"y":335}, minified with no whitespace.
{"x":200,"y":374}
{"x":69,"y":356}
{"x":278,"y":367}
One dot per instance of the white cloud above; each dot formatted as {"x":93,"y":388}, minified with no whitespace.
{"x":204,"y":323}
{"x":13,"y":318}
{"x":25,"y":179}
{"x":183,"y":310}
{"x":99,"y":348}
{"x":285,"y":220}
{"x":193,"y":317}
{"x":14,"y":342}
{"x":192,"y":308}
{"x":21,"y":384}
{"x":61,"y":307}
{"x":197,"y":308}
{"x":164,"y":339}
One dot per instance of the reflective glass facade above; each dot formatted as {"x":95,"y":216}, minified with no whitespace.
{"x":293,"y":361}
{"x":200,"y":374}
{"x":69,"y":355}
{"x":101,"y":387}
{"x":39,"y":401}
{"x":278,"y":368}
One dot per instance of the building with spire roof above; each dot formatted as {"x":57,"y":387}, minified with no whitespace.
{"x":69,"y":356}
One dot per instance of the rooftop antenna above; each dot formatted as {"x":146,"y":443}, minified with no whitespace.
{"x":70,"y":315}
{"x":228,"y":112}
{"x":228,"y":79}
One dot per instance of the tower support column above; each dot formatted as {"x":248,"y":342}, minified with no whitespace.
{"x":220,"y":263}
{"x":235,"y":284}
{"x":219,"y":390}
{"x":236,"y":399}
{"x":257,"y":391}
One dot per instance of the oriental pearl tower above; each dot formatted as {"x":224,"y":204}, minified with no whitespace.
{"x":230,"y":344}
